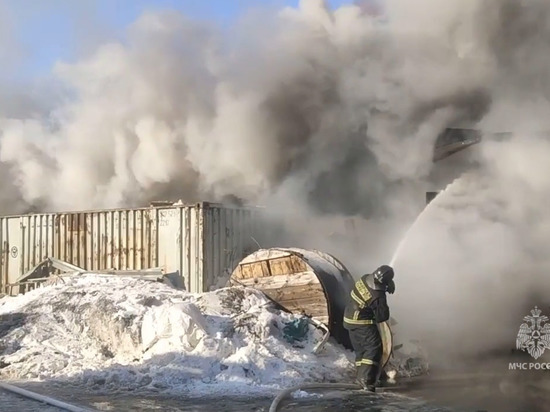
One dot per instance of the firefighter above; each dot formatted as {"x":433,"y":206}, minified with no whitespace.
{"x":368,"y":307}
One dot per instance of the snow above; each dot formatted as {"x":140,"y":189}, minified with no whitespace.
{"x":113,"y":334}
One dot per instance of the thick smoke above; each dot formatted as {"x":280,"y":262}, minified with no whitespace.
{"x":326,"y":116}
{"x":477,"y":253}
{"x":332,"y":106}
{"x":312,"y":111}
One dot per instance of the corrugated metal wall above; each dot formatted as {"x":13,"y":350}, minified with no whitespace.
{"x":229,"y":236}
{"x":200,"y":241}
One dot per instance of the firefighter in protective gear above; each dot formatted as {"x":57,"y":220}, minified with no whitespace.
{"x":368,"y":307}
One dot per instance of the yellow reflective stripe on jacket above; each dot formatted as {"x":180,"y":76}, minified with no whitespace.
{"x":359,"y":301}
{"x":363,"y":291}
{"x":365,"y":362}
{"x":358,"y":321}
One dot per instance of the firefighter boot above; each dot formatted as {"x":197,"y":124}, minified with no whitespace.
{"x":366,"y":377}
{"x":370,"y":374}
{"x":361,"y":378}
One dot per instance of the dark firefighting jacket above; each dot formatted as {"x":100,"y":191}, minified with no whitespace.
{"x":367,"y":305}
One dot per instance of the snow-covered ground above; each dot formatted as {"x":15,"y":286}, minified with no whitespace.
{"x":124,"y":333}
{"x":120,"y":333}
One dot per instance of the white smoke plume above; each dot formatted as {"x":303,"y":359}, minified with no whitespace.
{"x":319,"y":113}
{"x":311,"y":110}
{"x":177,"y":111}
{"x":477,"y":253}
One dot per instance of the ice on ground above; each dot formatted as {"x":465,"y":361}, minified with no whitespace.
{"x":115,"y":333}
{"x":303,"y":394}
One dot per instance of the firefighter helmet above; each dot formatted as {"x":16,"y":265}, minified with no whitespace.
{"x":384,"y":274}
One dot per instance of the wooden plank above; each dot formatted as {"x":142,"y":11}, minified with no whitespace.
{"x":286,"y":265}
{"x":275,"y":266}
{"x":307,"y":298}
{"x":289,"y":281}
{"x":265,"y":255}
{"x":253,"y":270}
{"x":296,"y":292}
{"x":277,"y":282}
{"x":311,"y":301}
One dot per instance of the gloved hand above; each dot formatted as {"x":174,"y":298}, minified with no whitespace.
{"x":391,"y":287}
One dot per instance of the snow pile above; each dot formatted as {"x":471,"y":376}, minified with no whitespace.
{"x":122,"y":334}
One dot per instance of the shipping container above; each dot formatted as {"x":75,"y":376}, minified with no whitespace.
{"x":202,"y":242}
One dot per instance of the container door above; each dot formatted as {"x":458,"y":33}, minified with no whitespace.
{"x":169,"y":233}
{"x":13,"y":244}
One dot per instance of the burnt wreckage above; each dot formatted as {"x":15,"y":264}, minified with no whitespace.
{"x":454,"y":140}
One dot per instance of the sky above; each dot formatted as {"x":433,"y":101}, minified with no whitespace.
{"x":48,"y":31}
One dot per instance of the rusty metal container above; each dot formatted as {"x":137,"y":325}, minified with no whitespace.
{"x":307,"y":282}
{"x":201,"y":241}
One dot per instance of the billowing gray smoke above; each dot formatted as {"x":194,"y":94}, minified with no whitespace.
{"x":332,"y":106}
{"x":315,"y":112}
{"x":476,"y":261}
{"x":478,"y":252}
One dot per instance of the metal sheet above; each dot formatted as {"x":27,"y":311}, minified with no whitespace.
{"x":232,"y":233}
{"x":200,"y":241}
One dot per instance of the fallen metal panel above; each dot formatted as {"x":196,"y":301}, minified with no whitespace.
{"x":64,"y":266}
{"x":44,"y":273}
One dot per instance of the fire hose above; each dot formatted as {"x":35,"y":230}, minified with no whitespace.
{"x":41,"y":398}
{"x":287,"y":392}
